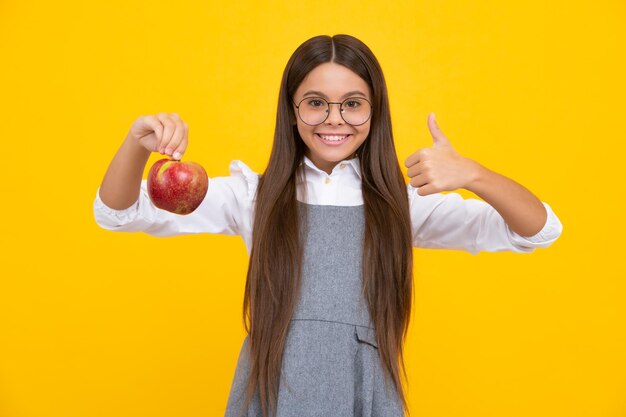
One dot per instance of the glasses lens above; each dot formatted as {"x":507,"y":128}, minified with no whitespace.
{"x":313,"y":110}
{"x":355,"y":111}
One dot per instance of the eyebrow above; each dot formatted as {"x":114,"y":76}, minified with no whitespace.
{"x":348,"y":94}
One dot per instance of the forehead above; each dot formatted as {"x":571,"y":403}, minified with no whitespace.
{"x":333,"y":80}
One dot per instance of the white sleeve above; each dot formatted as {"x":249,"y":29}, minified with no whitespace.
{"x":447,"y":221}
{"x":226,"y":209}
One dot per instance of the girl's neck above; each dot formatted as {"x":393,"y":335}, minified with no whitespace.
{"x":328,"y":168}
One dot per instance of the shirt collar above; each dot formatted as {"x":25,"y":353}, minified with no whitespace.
{"x":353,"y":162}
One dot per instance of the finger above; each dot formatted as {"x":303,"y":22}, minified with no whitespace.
{"x":168,"y":130}
{"x":419,"y":181}
{"x":177,"y":137}
{"x":413,"y":159}
{"x":154,"y":124}
{"x":182,"y":146}
{"x":421,"y":155}
{"x":426,"y":190}
{"x":435,"y":132}
{"x":415,"y":170}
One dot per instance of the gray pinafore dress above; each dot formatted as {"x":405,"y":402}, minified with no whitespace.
{"x":331,"y":365}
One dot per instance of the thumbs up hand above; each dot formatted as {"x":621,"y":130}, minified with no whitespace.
{"x":439,"y":167}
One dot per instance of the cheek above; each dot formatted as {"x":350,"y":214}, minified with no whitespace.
{"x":364,"y":132}
{"x":299,"y":129}
{"x":305,"y":134}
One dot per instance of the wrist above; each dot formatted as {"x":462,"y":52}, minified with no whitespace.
{"x":133,"y":145}
{"x":477,"y":174}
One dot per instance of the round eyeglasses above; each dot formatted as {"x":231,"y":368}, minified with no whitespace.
{"x":354,"y":111}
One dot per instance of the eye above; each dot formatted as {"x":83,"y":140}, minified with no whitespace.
{"x":353,"y":103}
{"x":315,"y":102}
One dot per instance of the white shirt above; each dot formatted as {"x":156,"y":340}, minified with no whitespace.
{"x":439,"y":221}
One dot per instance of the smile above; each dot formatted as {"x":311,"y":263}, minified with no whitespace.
{"x":332,"y":140}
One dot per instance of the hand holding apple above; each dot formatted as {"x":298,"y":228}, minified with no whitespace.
{"x":176,"y":186}
{"x":165,"y":133}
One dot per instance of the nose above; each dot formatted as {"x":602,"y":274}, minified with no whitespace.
{"x":334,"y":117}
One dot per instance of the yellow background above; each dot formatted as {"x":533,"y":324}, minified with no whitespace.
{"x":96,"y":323}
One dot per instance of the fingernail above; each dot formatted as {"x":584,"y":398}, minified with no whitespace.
{"x":176,"y":155}
{"x":168,"y":151}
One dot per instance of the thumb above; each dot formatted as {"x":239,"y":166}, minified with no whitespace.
{"x":438,"y":136}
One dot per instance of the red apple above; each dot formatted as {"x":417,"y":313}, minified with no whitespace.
{"x":176,"y":186}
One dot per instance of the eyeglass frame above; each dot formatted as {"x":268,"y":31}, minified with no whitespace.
{"x":328,"y":109}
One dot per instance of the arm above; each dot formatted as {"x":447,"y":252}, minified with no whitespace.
{"x":509,"y":218}
{"x":226,"y":209}
{"x":122,"y":180}
{"x":522,"y":210}
{"x":166,"y":133}
{"x":447,"y":221}
{"x":122,"y":202}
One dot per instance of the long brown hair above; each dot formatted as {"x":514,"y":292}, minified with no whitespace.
{"x":273,"y":279}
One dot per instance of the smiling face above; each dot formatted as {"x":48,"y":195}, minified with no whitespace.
{"x":334,"y":83}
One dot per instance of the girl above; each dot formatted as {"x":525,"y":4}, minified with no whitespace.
{"x":329,"y":284}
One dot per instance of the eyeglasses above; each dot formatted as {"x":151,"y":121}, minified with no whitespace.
{"x":354,"y":111}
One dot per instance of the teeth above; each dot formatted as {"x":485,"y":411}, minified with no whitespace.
{"x":333,"y":138}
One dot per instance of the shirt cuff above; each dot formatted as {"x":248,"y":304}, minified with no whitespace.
{"x":107,"y":215}
{"x":551,"y":230}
